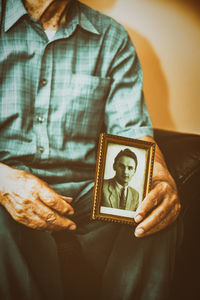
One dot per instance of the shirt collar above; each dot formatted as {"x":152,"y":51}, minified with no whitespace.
{"x":86,"y":23}
{"x":14,"y":10}
{"x":78,"y":16}
{"x":120,"y":187}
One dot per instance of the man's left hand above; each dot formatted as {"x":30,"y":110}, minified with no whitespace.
{"x":161,"y":206}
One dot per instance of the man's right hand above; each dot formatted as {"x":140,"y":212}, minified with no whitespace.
{"x":32,"y":202}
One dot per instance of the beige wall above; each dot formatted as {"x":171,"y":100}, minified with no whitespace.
{"x":166,"y":34}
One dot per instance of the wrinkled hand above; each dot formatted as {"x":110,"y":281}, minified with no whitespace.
{"x":161,"y":206}
{"x":32,"y":202}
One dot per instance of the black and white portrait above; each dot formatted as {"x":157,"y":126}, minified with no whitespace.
{"x":124,"y":177}
{"x":117,"y":193}
{"x":122,"y":183}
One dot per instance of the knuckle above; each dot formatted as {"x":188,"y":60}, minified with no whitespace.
{"x":38,"y":225}
{"x":19,"y":217}
{"x":65,"y":207}
{"x":164,"y":186}
{"x":51,"y":201}
{"x":51,"y":217}
{"x":24,"y":200}
{"x":155,"y":201}
{"x":19,"y":209}
{"x":161,"y":214}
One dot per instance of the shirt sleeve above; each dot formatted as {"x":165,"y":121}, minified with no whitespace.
{"x":125,"y":111}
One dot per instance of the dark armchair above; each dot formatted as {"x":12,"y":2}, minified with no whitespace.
{"x":182,"y":154}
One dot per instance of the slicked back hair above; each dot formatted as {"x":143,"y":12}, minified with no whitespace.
{"x":126,"y":152}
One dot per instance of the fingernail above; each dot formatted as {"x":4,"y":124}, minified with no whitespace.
{"x":139,"y":231}
{"x":68,"y":199}
{"x":72,"y":227}
{"x":138,"y":218}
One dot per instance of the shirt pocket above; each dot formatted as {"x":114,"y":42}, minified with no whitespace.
{"x":84,"y":104}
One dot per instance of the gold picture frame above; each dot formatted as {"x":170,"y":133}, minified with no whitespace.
{"x":123,"y":177}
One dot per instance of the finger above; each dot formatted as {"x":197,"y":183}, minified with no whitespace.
{"x":36,"y":215}
{"x":170,"y":218}
{"x":55,"y":201}
{"x":154,"y":217}
{"x":151,"y":201}
{"x":68,"y":199}
{"x":158,"y":219}
{"x":53,"y":220}
{"x":58,"y":222}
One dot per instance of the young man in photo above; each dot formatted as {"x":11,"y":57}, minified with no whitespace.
{"x":116,"y":191}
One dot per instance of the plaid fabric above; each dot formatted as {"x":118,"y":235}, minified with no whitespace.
{"x":56,"y":96}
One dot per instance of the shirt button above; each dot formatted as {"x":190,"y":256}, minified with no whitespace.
{"x":41,"y":149}
{"x":44,"y":81}
{"x":40,"y":119}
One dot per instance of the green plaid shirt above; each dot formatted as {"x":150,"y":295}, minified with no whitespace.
{"x":56,"y":96}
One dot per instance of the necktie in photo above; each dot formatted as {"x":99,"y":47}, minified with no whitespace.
{"x":122,"y":199}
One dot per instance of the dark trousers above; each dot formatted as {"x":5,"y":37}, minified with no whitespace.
{"x":104,"y":260}
{"x":29,"y":267}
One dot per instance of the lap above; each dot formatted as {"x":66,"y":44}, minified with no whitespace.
{"x":130,"y":268}
{"x":125,"y":266}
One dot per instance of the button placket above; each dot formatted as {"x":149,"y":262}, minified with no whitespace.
{"x":42,"y":102}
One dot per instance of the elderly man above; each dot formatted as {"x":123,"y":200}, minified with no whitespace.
{"x":66,"y":72}
{"x":116,"y":191}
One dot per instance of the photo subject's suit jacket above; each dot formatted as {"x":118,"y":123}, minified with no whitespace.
{"x":111,"y":197}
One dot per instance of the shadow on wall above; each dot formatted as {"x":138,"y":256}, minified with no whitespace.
{"x":193,"y":5}
{"x":103,"y":5}
{"x":155,"y":84}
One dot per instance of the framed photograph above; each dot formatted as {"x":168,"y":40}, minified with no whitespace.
{"x":123,"y":177}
